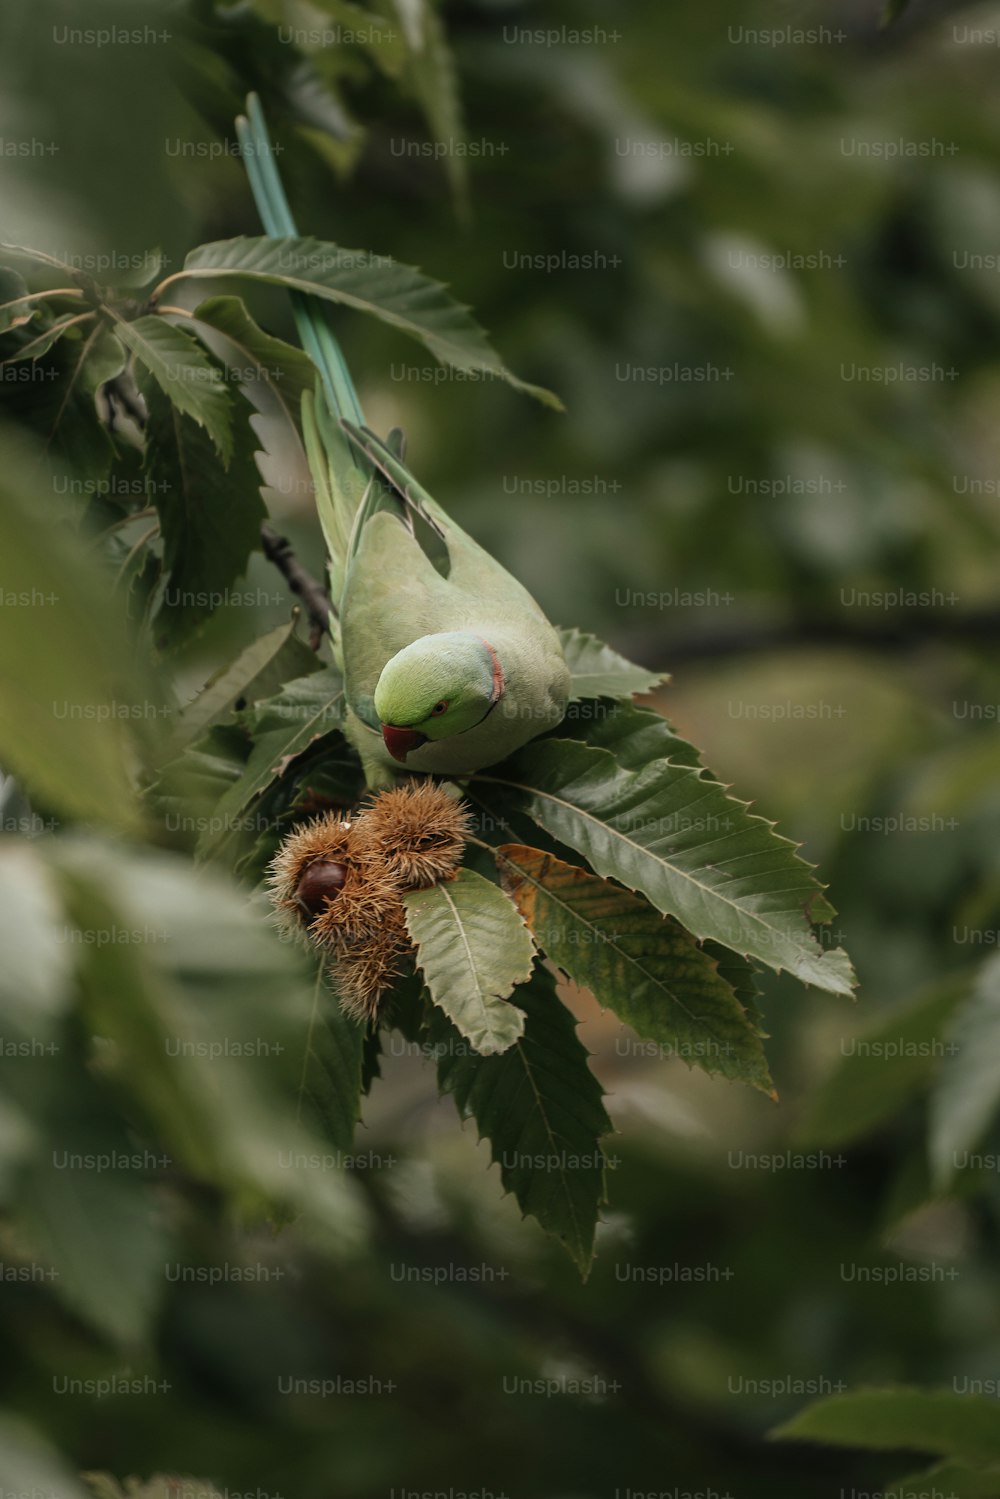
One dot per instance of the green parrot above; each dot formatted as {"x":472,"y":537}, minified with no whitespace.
{"x":449,"y":665}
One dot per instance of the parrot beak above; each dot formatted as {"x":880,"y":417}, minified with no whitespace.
{"x":399,"y":742}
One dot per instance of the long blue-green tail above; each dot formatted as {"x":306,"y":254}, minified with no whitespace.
{"x":340,"y":472}
{"x":318,"y":338}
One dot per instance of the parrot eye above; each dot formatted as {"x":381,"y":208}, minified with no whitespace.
{"x":439,"y":708}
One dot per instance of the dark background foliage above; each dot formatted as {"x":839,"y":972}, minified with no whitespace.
{"x":794,"y":511}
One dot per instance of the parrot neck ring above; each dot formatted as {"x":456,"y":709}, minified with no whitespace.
{"x":499,"y":681}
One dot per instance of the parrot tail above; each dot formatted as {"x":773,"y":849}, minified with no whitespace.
{"x":341,"y":474}
{"x":318,"y":338}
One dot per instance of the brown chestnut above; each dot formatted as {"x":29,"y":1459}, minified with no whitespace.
{"x":319,"y":884}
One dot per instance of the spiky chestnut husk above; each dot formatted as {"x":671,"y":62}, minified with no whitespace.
{"x":366,"y":905}
{"x":338,"y":883}
{"x":417,"y":830}
{"x":363,"y":971}
{"x":324,"y":841}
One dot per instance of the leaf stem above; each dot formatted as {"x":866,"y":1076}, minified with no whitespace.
{"x":39,"y":296}
{"x":155,"y":294}
{"x":148,"y":536}
{"x":41,"y":255}
{"x":69,"y":322}
{"x":313,"y":1016}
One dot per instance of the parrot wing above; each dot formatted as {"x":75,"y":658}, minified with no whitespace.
{"x":399,"y":587}
{"x":476,"y":577}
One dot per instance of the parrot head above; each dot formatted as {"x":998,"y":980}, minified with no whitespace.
{"x":439,"y":686}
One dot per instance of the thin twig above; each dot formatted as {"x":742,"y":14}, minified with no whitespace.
{"x":278,"y":549}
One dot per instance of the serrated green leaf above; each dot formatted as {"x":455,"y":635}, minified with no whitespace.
{"x":934,"y":1421}
{"x":382,"y":41}
{"x":332,"y":1067}
{"x":406,"y":1008}
{"x":325,"y":775}
{"x":540,"y":1107}
{"x":41,"y":256}
{"x":210,"y":516}
{"x":371,"y":1068}
{"x":13,"y":308}
{"x":36,"y":990}
{"x":739,"y":974}
{"x":191,"y":784}
{"x":671,"y":832}
{"x":635,"y":735}
{"x":396,"y":294}
{"x":888,"y":1064}
{"x":473,"y":948}
{"x":185,"y":374}
{"x":43,"y":340}
{"x":29,"y":1465}
{"x":258,"y":358}
{"x":328,"y":773}
{"x":282,"y":729}
{"x":257,"y":672}
{"x":319,"y":98}
{"x":88,"y":1209}
{"x":105,"y":359}
{"x":312,"y":700}
{"x":966,"y":1094}
{"x":36,"y":972}
{"x":955,"y":1480}
{"x":598,"y":671}
{"x":66,"y":682}
{"x":56,"y":399}
{"x":433,"y":78}
{"x":203,"y":1015}
{"x":643,"y":966}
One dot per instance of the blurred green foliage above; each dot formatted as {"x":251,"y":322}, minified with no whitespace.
{"x":794,"y":509}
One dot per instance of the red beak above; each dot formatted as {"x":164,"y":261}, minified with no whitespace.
{"x":399,"y":742}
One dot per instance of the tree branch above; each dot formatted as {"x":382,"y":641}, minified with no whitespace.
{"x":912,"y":631}
{"x":278,"y":549}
